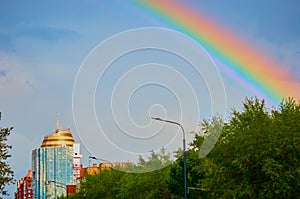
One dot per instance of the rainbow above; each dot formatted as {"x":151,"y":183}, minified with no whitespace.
{"x":240,"y":57}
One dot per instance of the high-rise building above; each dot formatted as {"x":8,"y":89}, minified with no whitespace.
{"x":55,"y":164}
{"x":24,"y":187}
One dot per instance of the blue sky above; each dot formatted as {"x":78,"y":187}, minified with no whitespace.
{"x":43,"y":45}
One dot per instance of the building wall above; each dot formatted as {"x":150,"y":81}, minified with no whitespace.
{"x":52,"y":170}
{"x":96,"y":169}
{"x":28,"y":185}
{"x":71,"y":189}
{"x":24,"y":187}
{"x":76,"y":161}
{"x":19,"y":194}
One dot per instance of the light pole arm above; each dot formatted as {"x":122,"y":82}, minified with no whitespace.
{"x":95,"y":158}
{"x":172,"y":122}
{"x":184,"y":150}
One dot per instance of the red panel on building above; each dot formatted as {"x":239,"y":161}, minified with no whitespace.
{"x":24,"y":189}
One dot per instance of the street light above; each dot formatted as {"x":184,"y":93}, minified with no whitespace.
{"x":95,"y":158}
{"x":184,"y":150}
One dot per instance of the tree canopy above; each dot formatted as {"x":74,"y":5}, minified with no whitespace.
{"x":258,"y":153}
{"x":6,"y":174}
{"x":144,"y":180}
{"x":255,"y":154}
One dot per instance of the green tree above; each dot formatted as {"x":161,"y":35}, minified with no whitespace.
{"x":147,"y":179}
{"x":103,"y":185}
{"x":6,"y":174}
{"x":258,"y":153}
{"x":150,"y":179}
{"x":196,"y":160}
{"x":195,"y":172}
{"x":196,"y":166}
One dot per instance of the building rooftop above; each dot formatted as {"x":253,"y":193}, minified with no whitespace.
{"x":59,"y":138}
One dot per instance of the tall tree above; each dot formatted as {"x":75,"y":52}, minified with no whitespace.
{"x":150,"y":179}
{"x":258,"y":153}
{"x":196,"y":161}
{"x":103,"y":185}
{"x":6,"y":173}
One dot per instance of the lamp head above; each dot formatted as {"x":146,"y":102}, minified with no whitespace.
{"x":156,"y":118}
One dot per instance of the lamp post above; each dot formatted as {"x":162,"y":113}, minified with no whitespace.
{"x":95,"y":158}
{"x":184,"y":150}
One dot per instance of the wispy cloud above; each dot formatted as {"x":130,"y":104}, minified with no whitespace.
{"x":3,"y":73}
{"x":48,"y":33}
{"x":15,"y":80}
{"x":42,"y":33}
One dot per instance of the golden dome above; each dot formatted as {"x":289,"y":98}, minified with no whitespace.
{"x":59,"y":138}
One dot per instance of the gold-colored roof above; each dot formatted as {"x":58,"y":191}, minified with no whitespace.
{"x":59,"y":138}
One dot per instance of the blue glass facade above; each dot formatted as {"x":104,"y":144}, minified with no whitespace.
{"x":52,"y":170}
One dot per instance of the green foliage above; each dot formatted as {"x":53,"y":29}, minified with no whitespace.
{"x":144,"y":180}
{"x":258,"y":154}
{"x":211,"y":131}
{"x":196,"y":169}
{"x":150,"y":181}
{"x":6,"y":174}
{"x":144,"y":185}
{"x":103,"y":185}
{"x":175,"y":179}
